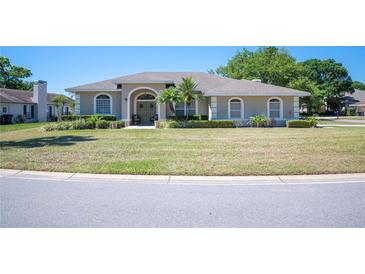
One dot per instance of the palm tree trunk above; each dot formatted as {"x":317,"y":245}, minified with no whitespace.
{"x":187,"y":111}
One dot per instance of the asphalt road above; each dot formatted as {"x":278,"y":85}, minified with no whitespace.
{"x":30,"y":202}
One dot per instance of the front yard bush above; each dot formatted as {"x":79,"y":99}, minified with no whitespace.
{"x":313,"y":120}
{"x":82,"y":124}
{"x":102,"y":124}
{"x":106,"y":117}
{"x":298,"y":124}
{"x":260,"y":121}
{"x":191,"y":117}
{"x":196,"y":124}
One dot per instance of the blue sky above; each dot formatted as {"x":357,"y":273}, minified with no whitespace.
{"x":64,"y":67}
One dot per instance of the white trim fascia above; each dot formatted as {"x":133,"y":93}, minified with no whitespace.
{"x":92,"y":90}
{"x":281,"y":107}
{"x":242,"y":108}
{"x":144,"y":82}
{"x":111,"y":101}
{"x":129,"y":99}
{"x":219,"y":94}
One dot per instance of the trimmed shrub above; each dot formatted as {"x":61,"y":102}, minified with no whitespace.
{"x":106,"y":117}
{"x":196,"y":124}
{"x":102,"y":124}
{"x":260,"y":121}
{"x":350,"y":112}
{"x":313,"y":121}
{"x":191,"y":117}
{"x":298,"y":124}
{"x":82,"y":124}
{"x":120,"y":124}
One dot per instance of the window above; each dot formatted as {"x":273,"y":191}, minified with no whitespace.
{"x":191,"y":108}
{"x":275,"y":108}
{"x":170,"y":86}
{"x":28,"y":111}
{"x":146,"y":96}
{"x":180,"y":109}
{"x":103,"y":104}
{"x":67,"y":111}
{"x":235,"y":109}
{"x":119,"y":86}
{"x":49,"y":112}
{"x":5,"y":109}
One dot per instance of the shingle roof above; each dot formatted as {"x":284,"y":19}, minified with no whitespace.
{"x":208,"y":84}
{"x":22,"y":96}
{"x":358,"y":95}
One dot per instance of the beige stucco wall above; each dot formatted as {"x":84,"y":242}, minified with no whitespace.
{"x":87,"y":102}
{"x":254,"y":105}
{"x":17,"y":109}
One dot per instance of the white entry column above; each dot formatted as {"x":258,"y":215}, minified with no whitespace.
{"x":212,"y":115}
{"x":77,"y":104}
{"x":296,"y":107}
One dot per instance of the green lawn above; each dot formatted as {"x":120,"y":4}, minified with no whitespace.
{"x":244,"y":151}
{"x":12,"y":127}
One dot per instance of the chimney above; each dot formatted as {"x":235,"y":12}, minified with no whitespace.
{"x":40,"y":97}
{"x":256,"y":80}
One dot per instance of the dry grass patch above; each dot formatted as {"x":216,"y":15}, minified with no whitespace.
{"x":244,"y":151}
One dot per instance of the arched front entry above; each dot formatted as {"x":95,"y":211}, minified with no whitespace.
{"x":145,"y":108}
{"x":142,"y":104}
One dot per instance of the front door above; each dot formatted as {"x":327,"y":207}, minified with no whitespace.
{"x":146,"y":110}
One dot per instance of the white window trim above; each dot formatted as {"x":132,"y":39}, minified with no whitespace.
{"x":111,"y":101}
{"x":242,"y":108}
{"x":281,"y":107}
{"x":185,"y":107}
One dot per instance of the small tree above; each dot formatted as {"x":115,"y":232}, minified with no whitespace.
{"x":169,"y":96}
{"x":60,"y":101}
{"x":186,"y":89}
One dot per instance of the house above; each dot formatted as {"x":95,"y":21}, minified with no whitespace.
{"x":34,"y":105}
{"x":359,"y":108}
{"x":351,"y":100}
{"x":223,"y":98}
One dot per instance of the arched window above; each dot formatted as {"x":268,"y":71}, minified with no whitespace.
{"x":235,"y":109}
{"x":146,"y":96}
{"x":275,"y":108}
{"x":103,"y":104}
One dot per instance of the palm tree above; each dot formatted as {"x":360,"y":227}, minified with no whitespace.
{"x":186,"y":89}
{"x":59,"y":101}
{"x":169,"y":96}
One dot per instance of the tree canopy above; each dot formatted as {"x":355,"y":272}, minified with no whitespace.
{"x":269,"y":64}
{"x":358,"y":85}
{"x":12,"y":76}
{"x":326,"y":80}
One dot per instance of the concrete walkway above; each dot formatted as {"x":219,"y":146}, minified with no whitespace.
{"x":340,"y":125}
{"x":186,"y":180}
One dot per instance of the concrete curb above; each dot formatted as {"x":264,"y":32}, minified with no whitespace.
{"x":186,"y":180}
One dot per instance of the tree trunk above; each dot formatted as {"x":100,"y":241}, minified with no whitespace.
{"x":171,"y":106}
{"x":187,"y":111}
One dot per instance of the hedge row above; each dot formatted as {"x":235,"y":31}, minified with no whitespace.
{"x":191,"y":117}
{"x":196,"y":124}
{"x":106,"y":117}
{"x":299,"y":124}
{"x":84,"y":124}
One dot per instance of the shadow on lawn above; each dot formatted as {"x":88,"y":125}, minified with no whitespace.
{"x":67,"y":140}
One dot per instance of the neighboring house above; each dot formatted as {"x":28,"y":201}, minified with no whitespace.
{"x":223,"y":98}
{"x":34,"y":105}
{"x":359,"y":108}
{"x":350,"y":99}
